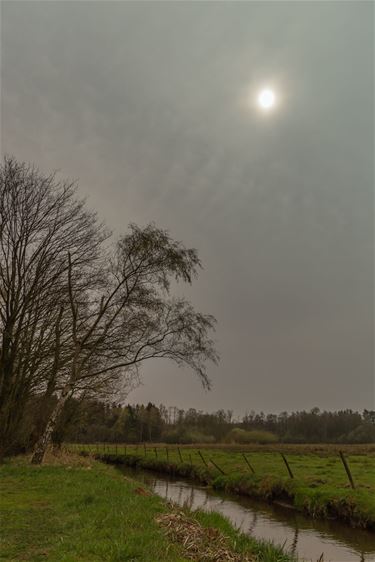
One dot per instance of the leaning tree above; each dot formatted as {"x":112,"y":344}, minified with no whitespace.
{"x":78,"y":316}
{"x":130,"y":317}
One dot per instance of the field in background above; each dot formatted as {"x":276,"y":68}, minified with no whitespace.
{"x":307,"y":462}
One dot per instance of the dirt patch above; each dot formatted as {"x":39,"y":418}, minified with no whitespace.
{"x":68,"y":459}
{"x":199,"y":543}
{"x":142,"y":492}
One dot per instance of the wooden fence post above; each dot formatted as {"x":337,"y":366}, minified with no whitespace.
{"x":347,"y":469}
{"x":144,"y":448}
{"x":203,"y":459}
{"x":248,"y":464}
{"x":156,"y":452}
{"x":191,"y":460}
{"x":287,"y":465}
{"x":167,"y":453}
{"x":179,"y":452}
{"x":218,"y":467}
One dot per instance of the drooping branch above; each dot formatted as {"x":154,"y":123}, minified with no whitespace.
{"x":75,"y":317}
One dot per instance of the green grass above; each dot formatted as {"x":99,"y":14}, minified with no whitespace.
{"x":92,"y":513}
{"x":263,"y":550}
{"x":308,"y":463}
{"x":320,"y":486}
{"x":75,"y":514}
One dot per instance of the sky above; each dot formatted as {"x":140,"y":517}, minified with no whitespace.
{"x":150,"y":107}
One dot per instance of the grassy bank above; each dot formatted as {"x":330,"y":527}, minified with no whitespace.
{"x":319,"y":486}
{"x":77,"y":509}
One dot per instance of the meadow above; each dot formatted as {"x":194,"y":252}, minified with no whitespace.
{"x":316,"y":481}
{"x":77,"y":509}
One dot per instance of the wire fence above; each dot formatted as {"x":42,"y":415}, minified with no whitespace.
{"x":226,"y":462}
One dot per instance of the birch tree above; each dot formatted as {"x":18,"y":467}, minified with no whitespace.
{"x":132,"y":318}
{"x":78,"y":318}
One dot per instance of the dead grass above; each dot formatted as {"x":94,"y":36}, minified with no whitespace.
{"x":321,"y":449}
{"x":199,"y":543}
{"x":60,"y":457}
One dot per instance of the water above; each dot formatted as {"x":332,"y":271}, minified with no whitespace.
{"x":305,"y":537}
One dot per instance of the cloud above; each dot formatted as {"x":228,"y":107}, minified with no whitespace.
{"x":147,"y":105}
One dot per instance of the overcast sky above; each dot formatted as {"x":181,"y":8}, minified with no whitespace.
{"x":149,"y":105}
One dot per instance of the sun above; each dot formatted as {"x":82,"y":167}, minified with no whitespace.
{"x":266,"y":99}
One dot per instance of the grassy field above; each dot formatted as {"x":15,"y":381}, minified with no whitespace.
{"x":320,"y":485}
{"x":309,"y":463}
{"x":78,"y":509}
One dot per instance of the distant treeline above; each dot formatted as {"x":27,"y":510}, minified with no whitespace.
{"x":94,"y":421}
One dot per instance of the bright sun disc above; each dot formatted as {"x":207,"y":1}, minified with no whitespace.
{"x":266,"y":99}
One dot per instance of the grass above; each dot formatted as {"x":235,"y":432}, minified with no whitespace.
{"x":82,"y":510}
{"x":263,"y":551}
{"x":320,"y":486}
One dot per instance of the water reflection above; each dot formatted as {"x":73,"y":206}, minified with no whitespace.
{"x":293,"y":548}
{"x":302,"y":536}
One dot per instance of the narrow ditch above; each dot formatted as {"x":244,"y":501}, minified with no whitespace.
{"x":305,"y":537}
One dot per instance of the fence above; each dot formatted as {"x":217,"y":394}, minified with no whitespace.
{"x":176,"y":455}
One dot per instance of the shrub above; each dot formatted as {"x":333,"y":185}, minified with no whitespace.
{"x":186,"y":437}
{"x":364,"y":433}
{"x":244,"y":437}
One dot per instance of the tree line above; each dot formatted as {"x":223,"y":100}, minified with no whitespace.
{"x":81,"y":311}
{"x":95,"y":421}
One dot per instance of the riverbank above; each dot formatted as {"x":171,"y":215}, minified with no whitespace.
{"x":313,"y":497}
{"x":75,"y":508}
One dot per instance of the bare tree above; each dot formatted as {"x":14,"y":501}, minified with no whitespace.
{"x":129,"y":318}
{"x":76,"y":318}
{"x":41,"y":220}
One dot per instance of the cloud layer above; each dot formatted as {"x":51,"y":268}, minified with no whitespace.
{"x":149,"y":106}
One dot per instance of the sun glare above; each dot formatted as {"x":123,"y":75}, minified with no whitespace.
{"x":266,"y":99}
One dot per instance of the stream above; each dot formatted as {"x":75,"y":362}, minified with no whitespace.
{"x":307,"y":538}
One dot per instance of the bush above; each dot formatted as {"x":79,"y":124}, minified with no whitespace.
{"x":364,"y":433}
{"x":244,"y":437}
{"x":186,"y":437}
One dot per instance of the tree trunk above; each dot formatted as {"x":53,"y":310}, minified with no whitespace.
{"x":45,"y":439}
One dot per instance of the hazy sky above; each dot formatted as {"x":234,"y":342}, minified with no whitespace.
{"x":150,"y":106}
